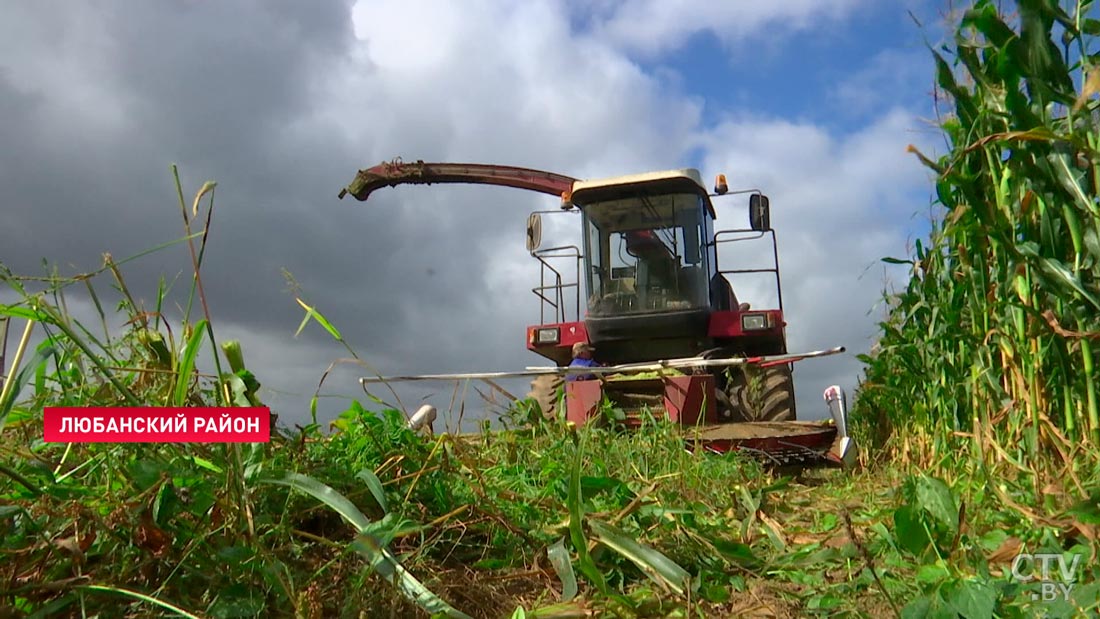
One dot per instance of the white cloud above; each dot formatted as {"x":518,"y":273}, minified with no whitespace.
{"x":487,"y":84}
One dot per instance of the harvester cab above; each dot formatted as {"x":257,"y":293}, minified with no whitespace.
{"x":671,"y":337}
{"x":655,"y":289}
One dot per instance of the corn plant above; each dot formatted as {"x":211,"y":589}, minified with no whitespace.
{"x":989,"y":350}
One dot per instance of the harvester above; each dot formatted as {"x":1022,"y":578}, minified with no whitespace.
{"x":671,"y":336}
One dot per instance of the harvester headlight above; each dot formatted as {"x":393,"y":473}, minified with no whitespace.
{"x":548,"y":336}
{"x":754,"y":322}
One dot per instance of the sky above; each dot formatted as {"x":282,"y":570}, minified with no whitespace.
{"x":280,"y":102}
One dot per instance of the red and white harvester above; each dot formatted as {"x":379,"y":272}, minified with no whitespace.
{"x":672,"y":336}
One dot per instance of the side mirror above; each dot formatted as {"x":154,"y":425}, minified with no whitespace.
{"x":534,"y":232}
{"x":759,"y":216}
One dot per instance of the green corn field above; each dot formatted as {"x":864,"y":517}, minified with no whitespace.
{"x":977,"y":416}
{"x":989,"y":350}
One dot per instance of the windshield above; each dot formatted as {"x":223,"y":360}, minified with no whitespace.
{"x":644,"y":254}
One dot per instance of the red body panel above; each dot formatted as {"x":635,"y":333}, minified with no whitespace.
{"x":728,"y":324}
{"x":686,"y":398}
{"x":723,"y":325}
{"x":792,"y":446}
{"x":569,"y":333}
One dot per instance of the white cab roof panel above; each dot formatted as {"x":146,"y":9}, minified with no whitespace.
{"x":647,"y":177}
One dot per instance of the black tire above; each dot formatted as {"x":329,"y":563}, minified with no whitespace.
{"x":545,"y":391}
{"x":761,"y":394}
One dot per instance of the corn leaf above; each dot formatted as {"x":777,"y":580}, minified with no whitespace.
{"x":1069,"y":181}
{"x":1059,"y":273}
{"x":559,"y":558}
{"x":367,"y":544}
{"x":662,"y":570}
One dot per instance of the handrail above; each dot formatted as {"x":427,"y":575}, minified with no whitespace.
{"x":755,"y":234}
{"x":564,"y":251}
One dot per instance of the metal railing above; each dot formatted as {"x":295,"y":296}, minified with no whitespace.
{"x":752,"y":235}
{"x":556,"y":301}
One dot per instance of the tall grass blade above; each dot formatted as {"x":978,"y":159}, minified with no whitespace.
{"x":52,"y":318}
{"x":374,"y":484}
{"x":26,"y":313}
{"x":386,"y":565}
{"x":99,"y":311}
{"x":12,"y":380}
{"x":14,"y":385}
{"x":141,"y":596}
{"x":575,"y":504}
{"x":4,"y":322}
{"x":187,"y":364}
{"x":313,"y":314}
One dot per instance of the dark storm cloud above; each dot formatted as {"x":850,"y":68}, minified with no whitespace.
{"x":205,"y":85}
{"x":228,"y":91}
{"x":213,"y":87}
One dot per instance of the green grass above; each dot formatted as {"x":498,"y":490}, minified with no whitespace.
{"x":375,"y":515}
{"x":979,"y":407}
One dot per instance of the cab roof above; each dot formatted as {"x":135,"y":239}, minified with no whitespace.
{"x":684,"y":180}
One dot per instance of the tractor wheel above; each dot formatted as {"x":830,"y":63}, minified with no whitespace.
{"x":762,"y":394}
{"x":544,"y":391}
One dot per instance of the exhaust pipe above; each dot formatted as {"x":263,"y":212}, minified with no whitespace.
{"x":844,"y":450}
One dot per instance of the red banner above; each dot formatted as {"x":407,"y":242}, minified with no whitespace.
{"x":157,"y":425}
